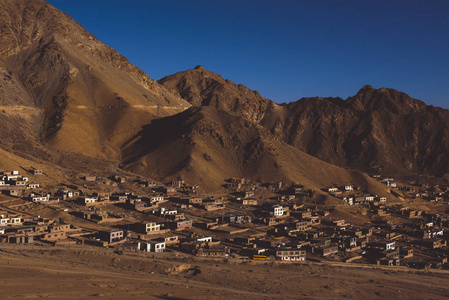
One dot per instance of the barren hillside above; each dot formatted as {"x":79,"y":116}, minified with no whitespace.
{"x":377,"y":130}
{"x":66,"y":97}
{"x":207,"y":146}
{"x":62,"y":85}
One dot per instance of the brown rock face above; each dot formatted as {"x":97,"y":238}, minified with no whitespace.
{"x":206,"y":146}
{"x":377,"y":130}
{"x":380,"y":130}
{"x":64,"y":95}
{"x":73,"y":92}
{"x":204,"y":88}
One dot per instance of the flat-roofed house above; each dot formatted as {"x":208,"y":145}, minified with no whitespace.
{"x":290,"y":255}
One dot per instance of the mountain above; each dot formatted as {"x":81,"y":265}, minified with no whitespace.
{"x":207,"y":146}
{"x":377,"y":130}
{"x":201,"y":87}
{"x":67,"y":99}
{"x":62,"y":88}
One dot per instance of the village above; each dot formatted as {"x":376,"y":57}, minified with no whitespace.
{"x":252,"y":221}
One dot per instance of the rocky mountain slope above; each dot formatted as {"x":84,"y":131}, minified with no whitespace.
{"x":207,"y":146}
{"x":377,"y":130}
{"x":62,"y":86}
{"x":68,"y":100}
{"x":201,"y":87}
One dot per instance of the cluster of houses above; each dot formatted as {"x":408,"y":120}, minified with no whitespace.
{"x":432,"y":194}
{"x":279,"y":225}
{"x":351,"y":195}
{"x":19,"y":229}
{"x":388,"y":181}
{"x":14,"y":184}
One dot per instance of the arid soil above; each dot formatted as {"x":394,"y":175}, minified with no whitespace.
{"x":31,"y":272}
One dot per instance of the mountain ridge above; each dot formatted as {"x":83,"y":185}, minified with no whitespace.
{"x":66,"y":96}
{"x":371,"y":131}
{"x":207,"y":146}
{"x":87,"y":98}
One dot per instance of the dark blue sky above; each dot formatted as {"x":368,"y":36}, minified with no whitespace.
{"x":285,"y":49}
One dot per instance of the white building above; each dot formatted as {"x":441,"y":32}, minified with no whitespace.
{"x":390,"y":246}
{"x":205,"y":239}
{"x":164,"y":212}
{"x":369,"y":198}
{"x":152,"y":226}
{"x":158,"y":246}
{"x":144,"y":247}
{"x":88,"y":200}
{"x":278,"y":211}
{"x":40,"y":198}
{"x":155,"y":199}
{"x":349,"y":188}
{"x":349,"y":200}
{"x":5,"y":220}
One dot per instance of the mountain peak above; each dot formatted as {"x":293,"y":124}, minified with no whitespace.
{"x":200,"y":67}
{"x":55,"y":67}
{"x":385,"y":99}
{"x":206,"y":88}
{"x":367,"y":87}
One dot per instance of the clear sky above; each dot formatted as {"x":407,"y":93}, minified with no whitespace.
{"x":285,"y":49}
